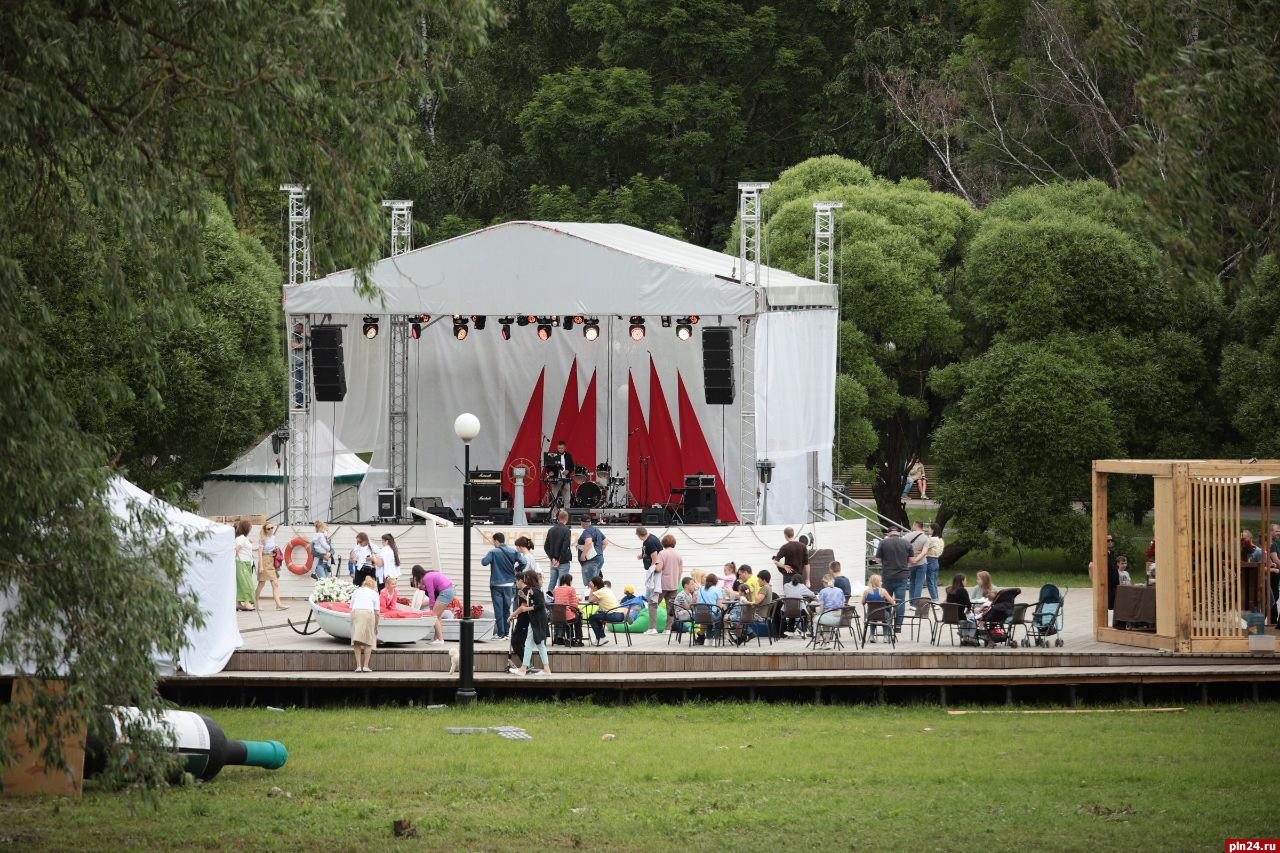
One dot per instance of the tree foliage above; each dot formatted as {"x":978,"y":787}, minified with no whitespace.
{"x":117,"y":119}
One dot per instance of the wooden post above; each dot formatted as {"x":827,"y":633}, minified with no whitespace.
{"x":1099,"y":577}
{"x":27,"y":775}
{"x":1178,"y":571}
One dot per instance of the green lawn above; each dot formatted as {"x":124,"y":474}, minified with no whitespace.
{"x":714,"y":776}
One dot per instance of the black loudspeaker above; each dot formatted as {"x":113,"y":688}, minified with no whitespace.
{"x":700,"y":503}
{"x":717,"y":365}
{"x":328,"y":373}
{"x":388,"y":504}
{"x":576,"y":515}
{"x":654,"y":517}
{"x":502,"y":516}
{"x":485,"y":498}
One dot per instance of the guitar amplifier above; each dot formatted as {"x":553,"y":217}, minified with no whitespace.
{"x":484,"y":476}
{"x":388,"y":505}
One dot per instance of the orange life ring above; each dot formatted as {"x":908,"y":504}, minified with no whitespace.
{"x":298,"y":542}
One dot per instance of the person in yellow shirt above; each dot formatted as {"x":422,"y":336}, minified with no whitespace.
{"x":607,"y":608}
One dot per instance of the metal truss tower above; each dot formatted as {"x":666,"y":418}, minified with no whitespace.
{"x":824,"y":240}
{"x":298,"y":509}
{"x":749,"y":245}
{"x":398,"y":367}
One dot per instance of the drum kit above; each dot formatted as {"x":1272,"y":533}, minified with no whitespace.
{"x":601,"y":491}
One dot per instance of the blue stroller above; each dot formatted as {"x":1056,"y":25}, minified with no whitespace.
{"x":1046,"y":619}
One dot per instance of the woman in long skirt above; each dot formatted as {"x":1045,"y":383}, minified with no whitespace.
{"x":244,"y":554}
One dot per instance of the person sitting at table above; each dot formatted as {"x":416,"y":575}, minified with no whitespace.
{"x":607,"y":607}
{"x":682,"y":608}
{"x":795,"y":589}
{"x":748,"y":592}
{"x":985,"y":592}
{"x":842,"y":582}
{"x":730,"y":577}
{"x":831,"y":599}
{"x":1122,"y":565}
{"x":713,"y":595}
{"x":565,"y":594}
{"x":875,"y":593}
{"x":959,"y":596}
{"x":1249,"y":552}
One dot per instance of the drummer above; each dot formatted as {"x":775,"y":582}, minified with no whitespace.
{"x":562,"y":488}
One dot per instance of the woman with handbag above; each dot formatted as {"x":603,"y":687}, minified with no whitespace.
{"x":269,"y":564}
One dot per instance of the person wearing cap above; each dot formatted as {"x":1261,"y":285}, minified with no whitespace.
{"x":634,"y":603}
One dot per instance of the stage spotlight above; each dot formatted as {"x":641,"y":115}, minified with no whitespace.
{"x":460,"y":327}
{"x":544,"y":331}
{"x":693,"y":319}
{"x":370,"y":327}
{"x":591,"y":329}
{"x":637,"y":328}
{"x":478,"y":320}
{"x":524,"y":321}
{"x":506,"y":331}
{"x":579,"y":319}
{"x":684,"y":331}
{"x":666,"y":322}
{"x":531,"y":319}
{"x":569,"y":320}
{"x":415,"y":329}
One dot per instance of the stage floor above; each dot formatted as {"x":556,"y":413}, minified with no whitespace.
{"x":274,"y":654}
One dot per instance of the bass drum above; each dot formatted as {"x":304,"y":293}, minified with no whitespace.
{"x":588,"y":496}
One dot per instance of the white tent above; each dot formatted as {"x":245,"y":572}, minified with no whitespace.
{"x":254,"y":483}
{"x":209,"y":576}
{"x":784,"y":339}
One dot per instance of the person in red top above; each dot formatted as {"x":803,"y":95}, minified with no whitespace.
{"x":565,"y":594}
{"x":387,"y":598}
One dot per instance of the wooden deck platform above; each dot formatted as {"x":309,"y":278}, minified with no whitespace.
{"x":275,"y":657}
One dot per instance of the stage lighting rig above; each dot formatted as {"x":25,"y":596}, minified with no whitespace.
{"x":370,"y":327}
{"x":525,"y":320}
{"x":506,"y":327}
{"x":591,"y":328}
{"x":637,"y":328}
{"x":666,"y":321}
{"x":460,"y":327}
{"x":478,"y":320}
{"x":415,"y":329}
{"x":544,"y":331}
{"x":684,"y":330}
{"x":569,"y":320}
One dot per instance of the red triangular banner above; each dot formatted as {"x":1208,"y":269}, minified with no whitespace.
{"x":527,"y":447}
{"x":641,"y":479}
{"x":582,"y":440}
{"x":662,"y":439}
{"x":568,"y":416}
{"x":696,"y":454}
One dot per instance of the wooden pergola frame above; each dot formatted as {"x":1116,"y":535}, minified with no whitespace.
{"x":1200,"y":590}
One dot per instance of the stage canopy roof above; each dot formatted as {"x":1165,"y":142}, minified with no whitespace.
{"x":547,"y":268}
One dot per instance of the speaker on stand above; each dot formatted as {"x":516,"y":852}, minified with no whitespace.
{"x":328,"y":371}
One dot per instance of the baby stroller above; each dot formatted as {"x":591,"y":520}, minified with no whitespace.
{"x":995,"y":628}
{"x":1046,"y":620}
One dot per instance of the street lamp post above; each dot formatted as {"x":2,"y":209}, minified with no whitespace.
{"x":466,"y":427}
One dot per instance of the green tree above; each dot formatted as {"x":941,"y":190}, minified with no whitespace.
{"x":116,"y":121}
{"x":653,"y":205}
{"x":898,"y":246}
{"x":1072,"y":304}
{"x":1251,"y":361}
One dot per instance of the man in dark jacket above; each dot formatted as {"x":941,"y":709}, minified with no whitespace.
{"x":893,"y":552}
{"x":559,"y":549}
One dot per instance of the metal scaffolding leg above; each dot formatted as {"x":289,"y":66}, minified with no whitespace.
{"x":747,"y":405}
{"x":298,"y":509}
{"x":397,"y":398}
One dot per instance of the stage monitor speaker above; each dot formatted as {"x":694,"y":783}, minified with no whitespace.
{"x":328,"y":372}
{"x":654,"y":517}
{"x":700,"y":515}
{"x":485,"y":498}
{"x":698,"y":499}
{"x":717,"y":365}
{"x":577,"y":514}
{"x":502,"y":516}
{"x":388,"y":504}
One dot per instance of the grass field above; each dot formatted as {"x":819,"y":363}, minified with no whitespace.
{"x":708,"y":776}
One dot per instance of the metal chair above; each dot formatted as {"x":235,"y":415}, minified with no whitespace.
{"x":880,"y":615}
{"x":612,"y":627}
{"x":951,"y":615}
{"x":918,"y":613}
{"x":564,"y":627}
{"x":793,"y":612}
{"x":685,"y":626}
{"x":710,"y":618}
{"x":740,"y":616}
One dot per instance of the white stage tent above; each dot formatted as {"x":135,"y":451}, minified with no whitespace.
{"x":209,"y":576}
{"x":784,"y":334}
{"x":254,"y":483}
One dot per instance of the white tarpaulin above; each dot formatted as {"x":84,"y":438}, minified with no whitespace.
{"x":556,"y":268}
{"x":209,"y":576}
{"x":795,"y":399}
